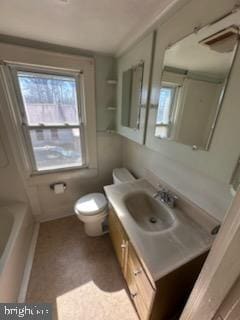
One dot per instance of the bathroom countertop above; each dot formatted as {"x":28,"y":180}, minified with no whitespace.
{"x":163,"y":251}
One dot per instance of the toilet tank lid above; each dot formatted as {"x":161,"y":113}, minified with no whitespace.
{"x":91,"y":204}
{"x":123,"y":175}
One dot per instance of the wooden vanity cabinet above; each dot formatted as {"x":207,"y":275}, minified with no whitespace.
{"x":119,"y":240}
{"x":141,"y":290}
{"x":162,"y":299}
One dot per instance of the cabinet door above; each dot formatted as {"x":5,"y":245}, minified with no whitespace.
{"x":136,"y":294}
{"x":119,"y":240}
{"x":141,"y":290}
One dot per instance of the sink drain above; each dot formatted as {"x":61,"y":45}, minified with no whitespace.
{"x":153,"y":220}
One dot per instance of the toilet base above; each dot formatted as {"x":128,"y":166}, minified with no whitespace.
{"x":94,"y":229}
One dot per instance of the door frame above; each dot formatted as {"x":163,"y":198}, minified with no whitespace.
{"x":220,"y":271}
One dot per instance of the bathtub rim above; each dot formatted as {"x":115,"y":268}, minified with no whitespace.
{"x":19,"y":211}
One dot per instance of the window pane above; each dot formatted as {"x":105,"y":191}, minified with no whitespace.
{"x":58,"y":149}
{"x":49,"y":99}
{"x":162,"y":132}
{"x":39,"y":134}
{"x":165,"y":104}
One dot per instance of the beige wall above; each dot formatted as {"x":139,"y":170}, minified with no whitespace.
{"x":45,"y":204}
{"x":11,"y":186}
{"x":105,"y":94}
{"x":205,"y":192}
{"x":202,"y":176}
{"x":109,"y":157}
{"x":219,"y":161}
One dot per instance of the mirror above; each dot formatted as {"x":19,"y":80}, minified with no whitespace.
{"x":132,"y":80}
{"x":194,"y":78}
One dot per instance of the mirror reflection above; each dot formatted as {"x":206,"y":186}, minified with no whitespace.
{"x":194,"y":77}
{"x":131,"y":96}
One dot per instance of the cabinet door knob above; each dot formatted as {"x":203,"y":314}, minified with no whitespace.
{"x":137,"y":272}
{"x":133,"y":295}
{"x":123,"y":246}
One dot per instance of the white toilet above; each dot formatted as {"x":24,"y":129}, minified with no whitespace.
{"x":122,"y":175}
{"x":92,"y":209}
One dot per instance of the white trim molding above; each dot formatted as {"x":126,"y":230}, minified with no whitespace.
{"x":220,"y":271}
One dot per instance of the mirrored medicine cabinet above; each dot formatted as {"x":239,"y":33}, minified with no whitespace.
{"x":132,"y":81}
{"x":193,"y":81}
{"x":134,"y":71}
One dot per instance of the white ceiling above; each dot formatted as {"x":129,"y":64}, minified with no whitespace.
{"x":97,"y":25}
{"x":189,"y":55}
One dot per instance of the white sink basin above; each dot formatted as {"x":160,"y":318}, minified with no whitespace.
{"x":148,"y":212}
{"x":164,"y":238}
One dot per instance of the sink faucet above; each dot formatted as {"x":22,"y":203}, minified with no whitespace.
{"x":166,"y":197}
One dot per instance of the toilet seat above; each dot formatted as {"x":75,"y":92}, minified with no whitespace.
{"x":91,"y":204}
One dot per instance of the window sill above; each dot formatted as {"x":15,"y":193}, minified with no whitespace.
{"x":47,"y":177}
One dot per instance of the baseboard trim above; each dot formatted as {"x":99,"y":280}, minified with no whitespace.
{"x":55,"y":217}
{"x":28,"y":266}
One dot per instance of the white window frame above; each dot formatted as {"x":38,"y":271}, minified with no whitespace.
{"x":172,"y":110}
{"x":78,"y":77}
{"x":53,"y":60}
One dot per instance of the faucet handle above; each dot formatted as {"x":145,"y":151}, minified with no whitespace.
{"x":172,"y":195}
{"x":161,"y":192}
{"x":171,"y":198}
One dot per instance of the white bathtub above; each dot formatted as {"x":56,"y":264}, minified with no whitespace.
{"x":16,"y":229}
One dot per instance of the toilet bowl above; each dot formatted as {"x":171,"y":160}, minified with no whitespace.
{"x":92,"y":209}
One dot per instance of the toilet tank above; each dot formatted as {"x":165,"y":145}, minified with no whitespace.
{"x":122,"y":175}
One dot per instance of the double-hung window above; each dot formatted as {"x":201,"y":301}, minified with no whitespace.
{"x":51,"y":115}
